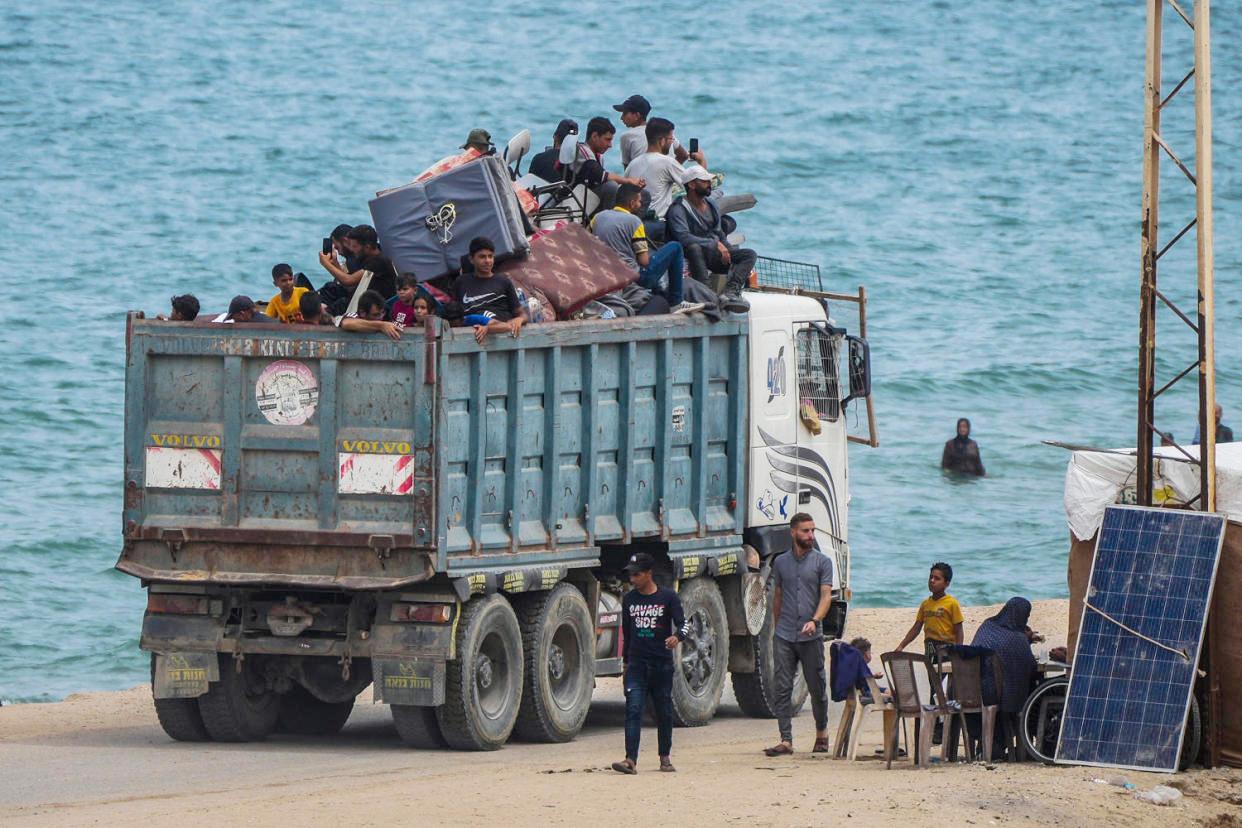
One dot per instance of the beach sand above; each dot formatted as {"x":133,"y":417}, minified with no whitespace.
{"x":101,"y":758}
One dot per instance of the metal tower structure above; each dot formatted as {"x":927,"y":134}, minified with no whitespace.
{"x":1154,"y":146}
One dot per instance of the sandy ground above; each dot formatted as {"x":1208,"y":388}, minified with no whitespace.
{"x":102,"y":759}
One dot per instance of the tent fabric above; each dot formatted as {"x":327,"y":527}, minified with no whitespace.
{"x":1097,"y":479}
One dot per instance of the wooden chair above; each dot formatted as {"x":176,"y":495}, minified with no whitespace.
{"x":903,"y":669}
{"x":853,"y":716}
{"x":967,"y":691}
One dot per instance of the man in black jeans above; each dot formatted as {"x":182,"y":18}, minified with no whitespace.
{"x":694,"y":221}
{"x":652,"y":624}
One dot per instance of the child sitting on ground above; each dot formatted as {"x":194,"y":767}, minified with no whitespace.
{"x":286,"y":305}
{"x":939,"y":616}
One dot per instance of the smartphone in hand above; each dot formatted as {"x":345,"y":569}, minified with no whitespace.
{"x":694,"y":145}
{"x":327,"y":246}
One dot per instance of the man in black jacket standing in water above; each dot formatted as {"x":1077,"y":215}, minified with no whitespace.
{"x":652,"y":624}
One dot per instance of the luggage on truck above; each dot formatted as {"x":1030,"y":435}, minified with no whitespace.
{"x":426,"y":227}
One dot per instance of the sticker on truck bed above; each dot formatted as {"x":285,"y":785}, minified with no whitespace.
{"x":182,"y":468}
{"x":287,"y":392}
{"x":362,"y":473}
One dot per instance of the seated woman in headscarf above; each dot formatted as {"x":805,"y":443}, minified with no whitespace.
{"x":1007,"y":635}
{"x":961,"y":454}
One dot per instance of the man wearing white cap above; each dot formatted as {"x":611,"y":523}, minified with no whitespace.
{"x":694,"y":222}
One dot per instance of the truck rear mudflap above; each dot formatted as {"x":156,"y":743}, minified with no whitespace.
{"x":378,"y":566}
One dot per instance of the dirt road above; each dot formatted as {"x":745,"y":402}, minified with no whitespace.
{"x":102,"y":759}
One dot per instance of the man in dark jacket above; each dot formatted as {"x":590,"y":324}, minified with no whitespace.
{"x":694,"y":221}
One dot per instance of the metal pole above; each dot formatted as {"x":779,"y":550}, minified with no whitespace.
{"x":1207,"y":344}
{"x":1203,"y":237}
{"x":1148,"y":249}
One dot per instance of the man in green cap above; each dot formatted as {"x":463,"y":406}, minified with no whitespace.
{"x":481,"y":140}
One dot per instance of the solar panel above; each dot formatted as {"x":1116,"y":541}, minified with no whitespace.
{"x":1138,"y":647}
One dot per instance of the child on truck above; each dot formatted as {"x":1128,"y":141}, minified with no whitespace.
{"x":939,"y":616}
{"x":286,"y":305}
{"x":401,"y":309}
{"x":488,"y":302}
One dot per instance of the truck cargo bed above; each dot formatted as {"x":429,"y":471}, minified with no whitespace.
{"x":317,"y":457}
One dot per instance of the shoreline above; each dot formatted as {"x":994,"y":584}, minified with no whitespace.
{"x":102,"y":758}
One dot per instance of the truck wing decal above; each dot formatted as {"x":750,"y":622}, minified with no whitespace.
{"x":807,"y":477}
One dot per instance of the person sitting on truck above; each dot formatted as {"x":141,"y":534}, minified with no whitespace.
{"x":694,"y":220}
{"x":488,"y":302}
{"x":375,"y":270}
{"x":660,"y":170}
{"x":310,"y":310}
{"x":544,"y":164}
{"x":588,"y":168}
{"x":285,"y":305}
{"x":241,"y":309}
{"x":369,"y":317}
{"x":401,"y":307}
{"x":623,"y":231}
{"x":634,"y":111}
{"x":184,"y":309}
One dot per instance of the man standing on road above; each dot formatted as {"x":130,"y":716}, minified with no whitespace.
{"x":652,"y":625}
{"x":800,"y":600}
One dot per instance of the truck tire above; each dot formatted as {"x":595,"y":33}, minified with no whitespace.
{"x":756,"y":692}
{"x":304,"y":715}
{"x":417,"y":726}
{"x":179,"y":717}
{"x":703,"y":658}
{"x":239,"y":707}
{"x":558,"y":640}
{"x":483,"y":688}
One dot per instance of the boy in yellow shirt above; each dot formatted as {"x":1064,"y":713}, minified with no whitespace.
{"x":939,"y":616}
{"x":286,"y":305}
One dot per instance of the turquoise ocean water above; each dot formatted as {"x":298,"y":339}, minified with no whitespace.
{"x":976,"y":165}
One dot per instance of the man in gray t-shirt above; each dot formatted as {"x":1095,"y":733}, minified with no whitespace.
{"x":802,"y":593}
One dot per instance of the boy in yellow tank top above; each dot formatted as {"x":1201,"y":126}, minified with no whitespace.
{"x":940,"y":615}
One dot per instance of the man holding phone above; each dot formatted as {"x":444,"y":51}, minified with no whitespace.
{"x":659,"y":169}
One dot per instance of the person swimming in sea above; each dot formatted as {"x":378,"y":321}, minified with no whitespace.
{"x":961,"y":454}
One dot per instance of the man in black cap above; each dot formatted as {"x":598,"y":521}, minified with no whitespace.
{"x":652,"y":625}
{"x":544,"y":163}
{"x":241,"y":309}
{"x":634,"y":111}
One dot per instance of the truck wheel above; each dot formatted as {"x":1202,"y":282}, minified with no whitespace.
{"x":179,"y":717}
{"x":239,"y":707}
{"x":417,"y":726}
{"x":483,"y":690}
{"x":304,"y":715}
{"x":703,"y":658}
{"x":558,"y":640}
{"x":756,"y":692}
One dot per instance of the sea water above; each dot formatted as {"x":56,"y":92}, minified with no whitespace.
{"x":975,"y":165}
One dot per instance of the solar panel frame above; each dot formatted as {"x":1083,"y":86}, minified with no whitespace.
{"x":1115,"y":668}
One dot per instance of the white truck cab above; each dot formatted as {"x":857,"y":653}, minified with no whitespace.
{"x":798,"y":442}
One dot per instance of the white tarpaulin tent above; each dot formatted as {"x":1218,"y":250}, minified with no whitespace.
{"x":1096,"y":479}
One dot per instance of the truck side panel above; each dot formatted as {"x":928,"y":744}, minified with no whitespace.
{"x":585,"y":433}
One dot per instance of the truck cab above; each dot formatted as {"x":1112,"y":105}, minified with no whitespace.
{"x":798,"y":443}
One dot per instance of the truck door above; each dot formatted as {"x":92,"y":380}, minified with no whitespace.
{"x":819,"y":465}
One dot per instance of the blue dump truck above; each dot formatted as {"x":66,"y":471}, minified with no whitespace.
{"x":312,"y":511}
